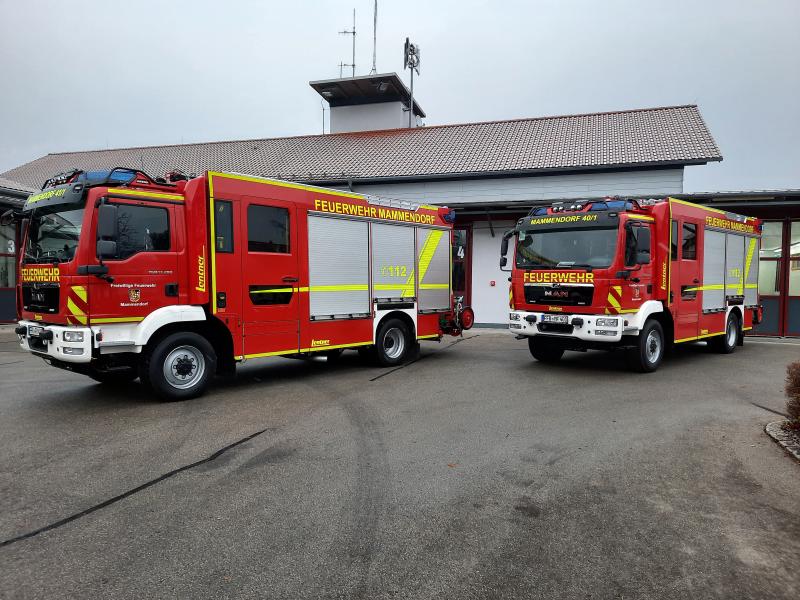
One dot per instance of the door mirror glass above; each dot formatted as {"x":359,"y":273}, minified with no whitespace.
{"x":106,"y":222}
{"x":106,"y":249}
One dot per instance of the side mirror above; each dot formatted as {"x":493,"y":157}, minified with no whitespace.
{"x":106,"y":222}
{"x":504,"y":247}
{"x":106,"y":249}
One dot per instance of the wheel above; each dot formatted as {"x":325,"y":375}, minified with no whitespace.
{"x":115,"y":376}
{"x":392,"y":343}
{"x":544,"y":350}
{"x":333,"y":355}
{"x":725,"y":344}
{"x":649,"y":351}
{"x":180,"y":366}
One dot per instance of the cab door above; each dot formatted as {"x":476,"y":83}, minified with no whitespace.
{"x":270,"y":277}
{"x":685,"y":278}
{"x":144,"y":272}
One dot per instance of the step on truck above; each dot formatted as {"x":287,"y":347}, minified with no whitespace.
{"x":635,"y":275}
{"x":173,"y":280}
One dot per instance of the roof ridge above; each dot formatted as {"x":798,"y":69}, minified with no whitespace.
{"x":375,"y":131}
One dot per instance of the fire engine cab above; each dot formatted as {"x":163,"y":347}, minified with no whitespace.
{"x":637,"y":275}
{"x":173,"y":280}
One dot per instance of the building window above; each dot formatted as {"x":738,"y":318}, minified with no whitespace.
{"x":223,"y":226}
{"x":267,"y":229}
{"x":689,"y":242}
{"x":141,"y":229}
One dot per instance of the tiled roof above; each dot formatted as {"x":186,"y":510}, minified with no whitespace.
{"x":673,"y":135}
{"x":8,"y":185}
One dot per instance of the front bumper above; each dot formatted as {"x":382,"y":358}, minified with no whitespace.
{"x":51,"y":342}
{"x":577,"y":327}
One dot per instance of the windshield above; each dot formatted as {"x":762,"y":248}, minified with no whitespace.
{"x":53,"y":234}
{"x":566,"y":248}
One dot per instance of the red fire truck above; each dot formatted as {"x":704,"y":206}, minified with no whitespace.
{"x":173,"y":280}
{"x":635,"y":275}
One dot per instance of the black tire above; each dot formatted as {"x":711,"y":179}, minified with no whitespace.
{"x":191,"y":360}
{"x":544,"y":350}
{"x":726,"y":343}
{"x":393,"y":343}
{"x":115,"y":377}
{"x":649,"y":351}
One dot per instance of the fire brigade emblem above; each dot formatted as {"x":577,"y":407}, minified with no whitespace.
{"x":134,"y":294}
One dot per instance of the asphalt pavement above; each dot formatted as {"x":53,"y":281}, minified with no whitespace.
{"x":474,"y":472}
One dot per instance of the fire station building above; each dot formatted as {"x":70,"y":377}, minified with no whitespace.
{"x":491,"y":172}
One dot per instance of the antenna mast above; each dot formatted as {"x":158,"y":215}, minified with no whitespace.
{"x":353,"y":33}
{"x":411,"y":57}
{"x":374,"y":39}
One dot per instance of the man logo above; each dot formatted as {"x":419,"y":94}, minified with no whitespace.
{"x":134,"y":294}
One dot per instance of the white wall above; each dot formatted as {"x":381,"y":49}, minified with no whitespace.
{"x":369,"y":117}
{"x":491,"y":303}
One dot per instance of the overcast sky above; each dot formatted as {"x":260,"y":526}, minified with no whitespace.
{"x":79,"y":75}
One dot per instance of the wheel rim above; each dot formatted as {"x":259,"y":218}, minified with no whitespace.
{"x":731,"y":335}
{"x":394,"y":342}
{"x":653,"y":347}
{"x":184,"y":367}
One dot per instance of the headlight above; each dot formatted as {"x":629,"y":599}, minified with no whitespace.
{"x":73,"y":336}
{"x":602,"y":332}
{"x":513,"y":317}
{"x":607,"y":322}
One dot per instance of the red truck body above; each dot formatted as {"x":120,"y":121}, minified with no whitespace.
{"x":256,"y":267}
{"x":605,"y":274}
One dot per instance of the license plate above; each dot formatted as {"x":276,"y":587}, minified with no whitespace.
{"x":34,"y":331}
{"x":563,"y":319}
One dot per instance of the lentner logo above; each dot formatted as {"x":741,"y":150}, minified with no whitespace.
{"x":201,"y":271}
{"x":318,"y":343}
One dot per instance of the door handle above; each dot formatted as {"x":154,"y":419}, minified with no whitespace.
{"x":288,"y":279}
{"x":695,"y":280}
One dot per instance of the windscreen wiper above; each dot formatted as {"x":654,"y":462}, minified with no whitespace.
{"x":574,"y":265}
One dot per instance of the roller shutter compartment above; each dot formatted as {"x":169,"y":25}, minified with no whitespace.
{"x":338,"y":267}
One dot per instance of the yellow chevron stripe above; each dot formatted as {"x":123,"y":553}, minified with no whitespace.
{"x":425,"y":257}
{"x":76,"y":312}
{"x":80,"y":292}
{"x":747,"y":264}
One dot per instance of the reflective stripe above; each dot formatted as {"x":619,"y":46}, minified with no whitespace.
{"x":642,"y":217}
{"x":118,"y":320}
{"x":428,"y":337}
{"x":425,"y":257}
{"x":748,"y":261}
{"x":126,"y":192}
{"x":80,"y":292}
{"x":296,"y":351}
{"x":286,"y":184}
{"x":699,"y":337}
{"x":76,"y":312}
{"x":434,"y":286}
